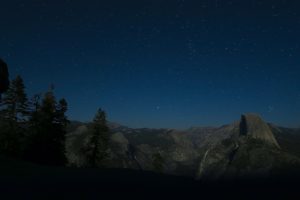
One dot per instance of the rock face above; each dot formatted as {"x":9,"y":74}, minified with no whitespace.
{"x":252,"y":151}
{"x":244,"y":148}
{"x":251,"y":125}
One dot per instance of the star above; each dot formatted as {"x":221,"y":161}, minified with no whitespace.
{"x":270,"y":109}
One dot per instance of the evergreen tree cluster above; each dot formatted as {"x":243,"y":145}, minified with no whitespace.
{"x":33,"y":129}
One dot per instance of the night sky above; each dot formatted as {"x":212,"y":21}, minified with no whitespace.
{"x":159,"y":63}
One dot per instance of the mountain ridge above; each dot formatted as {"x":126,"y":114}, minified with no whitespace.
{"x":199,"y":152}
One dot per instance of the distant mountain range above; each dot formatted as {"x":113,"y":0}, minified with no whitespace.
{"x":247,"y":148}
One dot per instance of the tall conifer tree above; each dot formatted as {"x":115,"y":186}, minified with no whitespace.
{"x":98,"y":144}
{"x":14,"y":115}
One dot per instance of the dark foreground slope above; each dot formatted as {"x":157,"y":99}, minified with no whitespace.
{"x":248,"y":159}
{"x":24,"y":180}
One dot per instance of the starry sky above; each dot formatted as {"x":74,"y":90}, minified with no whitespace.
{"x":159,"y":63}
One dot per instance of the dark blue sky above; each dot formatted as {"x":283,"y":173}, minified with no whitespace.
{"x":159,"y":63}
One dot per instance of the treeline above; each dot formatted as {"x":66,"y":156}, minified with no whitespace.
{"x":35,"y":129}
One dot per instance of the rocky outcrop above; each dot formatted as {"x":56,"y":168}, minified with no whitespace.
{"x":121,"y":154}
{"x":252,"y":126}
{"x":250,"y":151}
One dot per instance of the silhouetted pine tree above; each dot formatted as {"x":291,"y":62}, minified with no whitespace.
{"x":97,"y":147}
{"x":15,"y":102}
{"x":60,"y":126}
{"x":48,"y":130}
{"x":14,"y":113}
{"x":158,"y":162}
{"x":34,"y":106}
